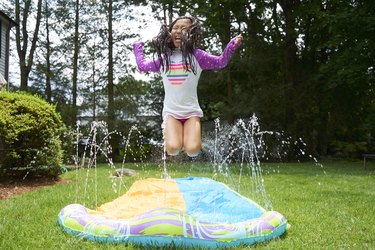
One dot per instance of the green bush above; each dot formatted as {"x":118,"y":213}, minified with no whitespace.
{"x":348,"y":150}
{"x":136,"y":153}
{"x":30,"y":131}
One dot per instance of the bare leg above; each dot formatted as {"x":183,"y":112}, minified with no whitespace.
{"x":173,"y":133}
{"x":192,"y":136}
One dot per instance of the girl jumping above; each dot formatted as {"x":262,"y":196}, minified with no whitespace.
{"x":180,"y":63}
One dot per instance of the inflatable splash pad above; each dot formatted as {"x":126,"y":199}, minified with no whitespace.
{"x":188,"y":212}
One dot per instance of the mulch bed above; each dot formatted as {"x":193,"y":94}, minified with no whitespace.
{"x":12,"y":186}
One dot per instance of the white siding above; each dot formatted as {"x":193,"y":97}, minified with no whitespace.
{"x":3,"y":29}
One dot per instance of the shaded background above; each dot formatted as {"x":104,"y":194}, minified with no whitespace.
{"x":305,"y":68}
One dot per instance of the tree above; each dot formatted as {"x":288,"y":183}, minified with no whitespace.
{"x":75,"y":62}
{"x":26,"y":56}
{"x":41,"y":76}
{"x":110,"y":84}
{"x":305,"y":67}
{"x":300,"y":63}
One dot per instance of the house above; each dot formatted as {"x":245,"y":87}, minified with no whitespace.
{"x":6,"y":23}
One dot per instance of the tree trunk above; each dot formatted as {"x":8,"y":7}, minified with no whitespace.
{"x":164,"y":14}
{"x":167,"y":12}
{"x":290,"y":62}
{"x":170,"y":12}
{"x":111,"y":108}
{"x":111,"y":114}
{"x":75,"y":65}
{"x":24,"y":76}
{"x":94,"y":84}
{"x":225,"y":38}
{"x":48,"y":58}
{"x":22,"y":41}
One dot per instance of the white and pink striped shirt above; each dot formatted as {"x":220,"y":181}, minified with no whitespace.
{"x":180,"y":85}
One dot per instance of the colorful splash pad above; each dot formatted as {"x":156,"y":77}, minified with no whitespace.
{"x":189,"y":212}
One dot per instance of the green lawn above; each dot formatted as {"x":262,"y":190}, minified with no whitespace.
{"x":329,"y":207}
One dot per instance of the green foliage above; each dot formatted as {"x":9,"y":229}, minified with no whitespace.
{"x":67,"y":142}
{"x":348,"y":149}
{"x":30,"y":131}
{"x":305,"y":67}
{"x":135,"y":153}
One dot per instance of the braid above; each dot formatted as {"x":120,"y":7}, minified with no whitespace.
{"x":164,"y":46}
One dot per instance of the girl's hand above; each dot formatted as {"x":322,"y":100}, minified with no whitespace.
{"x":238,"y":40}
{"x":140,"y":41}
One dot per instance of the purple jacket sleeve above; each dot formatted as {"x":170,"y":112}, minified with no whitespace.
{"x":208,"y":61}
{"x":145,"y":65}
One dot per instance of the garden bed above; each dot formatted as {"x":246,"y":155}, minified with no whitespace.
{"x":10,"y":186}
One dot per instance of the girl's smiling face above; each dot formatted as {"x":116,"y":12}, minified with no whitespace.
{"x":178,"y":29}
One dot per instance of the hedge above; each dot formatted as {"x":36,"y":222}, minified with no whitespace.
{"x":30,"y":131}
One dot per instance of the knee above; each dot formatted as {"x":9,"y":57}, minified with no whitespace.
{"x":193,"y":153}
{"x":193,"y":150}
{"x":173,"y":148}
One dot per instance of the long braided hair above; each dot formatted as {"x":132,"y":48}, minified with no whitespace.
{"x":164,"y":46}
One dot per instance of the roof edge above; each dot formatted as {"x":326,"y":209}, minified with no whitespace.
{"x":11,"y":21}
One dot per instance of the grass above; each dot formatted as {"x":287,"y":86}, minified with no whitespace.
{"x":328,"y":208}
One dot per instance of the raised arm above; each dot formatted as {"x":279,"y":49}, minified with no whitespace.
{"x":145,"y":65}
{"x":211,"y":62}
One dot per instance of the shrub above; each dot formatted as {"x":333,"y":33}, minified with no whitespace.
{"x":30,"y":131}
{"x":137,"y":153}
{"x":348,"y":149}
